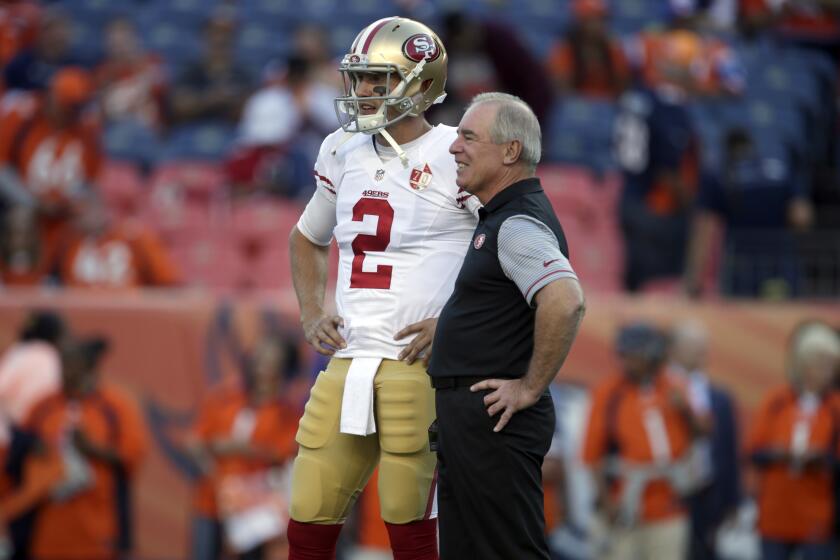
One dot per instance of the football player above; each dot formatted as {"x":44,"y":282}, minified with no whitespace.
{"x":386,"y":191}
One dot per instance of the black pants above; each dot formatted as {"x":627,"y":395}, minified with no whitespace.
{"x":490,"y":495}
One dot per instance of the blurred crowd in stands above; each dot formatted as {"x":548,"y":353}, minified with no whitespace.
{"x":158,"y":143}
{"x":71,"y":443}
{"x":648,"y":463}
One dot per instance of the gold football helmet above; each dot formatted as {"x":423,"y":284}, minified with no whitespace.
{"x":401,"y":48}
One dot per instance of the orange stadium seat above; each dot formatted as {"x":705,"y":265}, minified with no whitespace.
{"x":121,"y":187}
{"x":260,"y":234}
{"x":588,"y":214}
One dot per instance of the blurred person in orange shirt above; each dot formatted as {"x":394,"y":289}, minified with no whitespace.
{"x":30,"y":369}
{"x":49,"y":148}
{"x":637,"y":441}
{"x":794,"y":446}
{"x":589,"y":61}
{"x":103,"y":253}
{"x":658,"y":151}
{"x":714,"y":68}
{"x":132,"y":82}
{"x":251,"y":432}
{"x":25,"y":260}
{"x":99,"y":435}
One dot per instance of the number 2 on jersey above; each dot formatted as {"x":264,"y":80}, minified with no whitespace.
{"x":380,"y":279}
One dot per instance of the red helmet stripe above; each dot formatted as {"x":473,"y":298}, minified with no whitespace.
{"x":373,"y":32}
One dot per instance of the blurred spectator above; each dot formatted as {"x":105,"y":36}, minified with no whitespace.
{"x":589,"y":62}
{"x":240,"y":443}
{"x":657,"y":150}
{"x":716,"y":455}
{"x":312,"y":43}
{"x":33,"y":67}
{"x":757,"y":200}
{"x":711,"y":64}
{"x":489,"y":56}
{"x":98,"y":433}
{"x":794,"y":447}
{"x":807,"y":23}
{"x":49,"y":148}
{"x":18,"y":29}
{"x":714,"y":15}
{"x":638,"y":440}
{"x":280,"y":132}
{"x":131,"y":81}
{"x":214,"y":86}
{"x":102,"y":253}
{"x":25,"y":260}
{"x":564,"y":472}
{"x":206,"y":529}
{"x":29,"y":371}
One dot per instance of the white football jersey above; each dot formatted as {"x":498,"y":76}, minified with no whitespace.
{"x":402,"y":233}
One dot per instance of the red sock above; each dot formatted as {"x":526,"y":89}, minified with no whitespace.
{"x":308,"y":541}
{"x":414,"y":541}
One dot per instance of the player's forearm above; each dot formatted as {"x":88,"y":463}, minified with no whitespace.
{"x":309,"y":273}
{"x":560,"y":309}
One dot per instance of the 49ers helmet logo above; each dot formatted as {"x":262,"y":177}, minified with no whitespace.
{"x":420,"y":46}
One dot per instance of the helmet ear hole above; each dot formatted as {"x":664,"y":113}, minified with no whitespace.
{"x":426,"y":85}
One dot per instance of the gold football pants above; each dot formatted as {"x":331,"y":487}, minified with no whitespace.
{"x":332,"y":468}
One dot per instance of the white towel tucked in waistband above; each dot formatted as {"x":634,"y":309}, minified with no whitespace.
{"x":357,"y":402}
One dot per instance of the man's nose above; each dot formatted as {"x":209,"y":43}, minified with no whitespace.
{"x":455,"y":146}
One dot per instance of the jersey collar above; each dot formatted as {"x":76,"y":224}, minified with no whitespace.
{"x":512,"y":192}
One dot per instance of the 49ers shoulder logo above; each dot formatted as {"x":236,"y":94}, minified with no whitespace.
{"x":420,"y":46}
{"x":420,"y":178}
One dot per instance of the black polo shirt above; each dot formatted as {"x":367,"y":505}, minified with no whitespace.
{"x":487,"y":327}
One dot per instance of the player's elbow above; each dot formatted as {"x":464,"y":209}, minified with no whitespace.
{"x":564,"y":297}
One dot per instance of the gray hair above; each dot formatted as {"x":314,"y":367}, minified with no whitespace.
{"x":812,"y":338}
{"x":515,"y":120}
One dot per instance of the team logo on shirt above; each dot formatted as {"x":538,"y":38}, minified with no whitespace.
{"x":380,"y":174}
{"x":420,"y":177}
{"x":478,"y":243}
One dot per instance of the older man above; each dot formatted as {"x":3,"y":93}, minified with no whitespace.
{"x":500,"y":340}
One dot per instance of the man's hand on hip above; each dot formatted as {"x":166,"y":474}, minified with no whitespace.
{"x":510,"y":396}
{"x":425,"y":331}
{"x":322,"y":333}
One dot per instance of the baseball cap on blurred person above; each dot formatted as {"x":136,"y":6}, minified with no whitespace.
{"x":641,"y":339}
{"x":71,"y":86}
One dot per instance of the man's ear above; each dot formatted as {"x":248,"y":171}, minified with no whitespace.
{"x":513,"y":151}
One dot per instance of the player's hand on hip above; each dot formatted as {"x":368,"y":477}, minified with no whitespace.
{"x":509,"y":396}
{"x":323,"y":335}
{"x":425,"y":331}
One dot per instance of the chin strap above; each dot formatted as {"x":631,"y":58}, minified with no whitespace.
{"x":400,"y":152}
{"x":388,"y":138}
